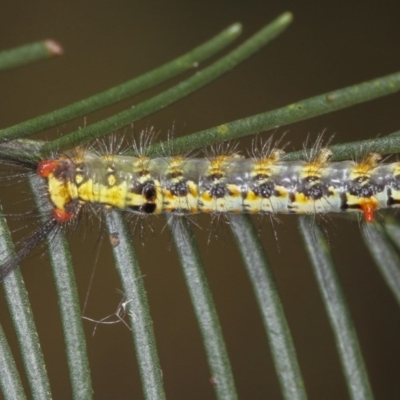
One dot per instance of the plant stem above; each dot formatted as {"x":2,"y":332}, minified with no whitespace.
{"x":137,"y":306}
{"x":308,"y":108}
{"x":29,"y":54}
{"x":338,"y":311}
{"x":204,"y":307}
{"x":125,"y":90}
{"x":385,"y":256}
{"x":10,"y":381}
{"x":272,"y":313}
{"x":68,"y":300}
{"x":175,"y":93}
{"x":24,"y":324}
{"x":389,"y":144}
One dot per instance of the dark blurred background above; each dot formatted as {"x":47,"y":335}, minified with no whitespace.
{"x":330,"y":45}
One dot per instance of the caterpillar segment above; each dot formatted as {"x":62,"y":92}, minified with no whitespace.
{"x":221,"y":184}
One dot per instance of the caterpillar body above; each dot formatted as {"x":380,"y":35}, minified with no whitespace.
{"x":222,"y":183}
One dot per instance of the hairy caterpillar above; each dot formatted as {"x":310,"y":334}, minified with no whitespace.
{"x":221,"y":183}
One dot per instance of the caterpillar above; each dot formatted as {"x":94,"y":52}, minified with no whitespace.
{"x":221,"y":183}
